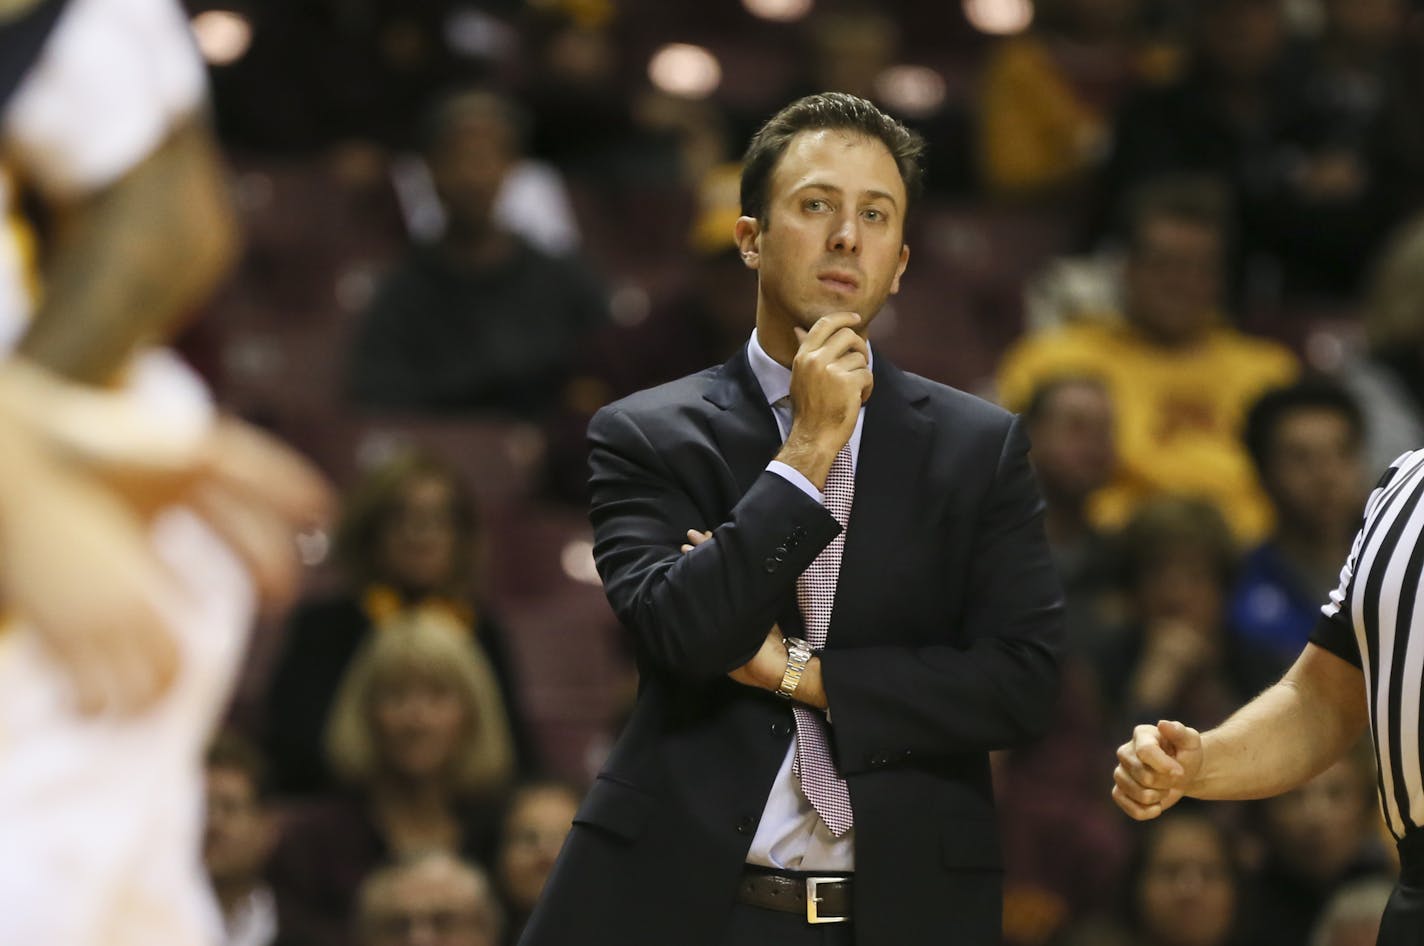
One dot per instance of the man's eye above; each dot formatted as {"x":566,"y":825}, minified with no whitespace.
{"x":873,"y":214}
{"x":816,"y":205}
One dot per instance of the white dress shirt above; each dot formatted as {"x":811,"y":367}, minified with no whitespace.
{"x":791,"y":835}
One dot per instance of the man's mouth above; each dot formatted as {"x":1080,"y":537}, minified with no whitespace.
{"x":840,"y":282}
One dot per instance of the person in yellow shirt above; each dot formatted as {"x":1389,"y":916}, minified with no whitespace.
{"x":1180,"y":379}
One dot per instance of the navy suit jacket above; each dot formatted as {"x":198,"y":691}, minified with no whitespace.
{"x":942,"y":646}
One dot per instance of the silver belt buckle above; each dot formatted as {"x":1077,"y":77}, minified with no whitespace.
{"x":813,"y":898}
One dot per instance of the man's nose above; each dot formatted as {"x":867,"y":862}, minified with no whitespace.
{"x":845,"y":237}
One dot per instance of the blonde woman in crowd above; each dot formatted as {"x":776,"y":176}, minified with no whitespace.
{"x":421,"y":740}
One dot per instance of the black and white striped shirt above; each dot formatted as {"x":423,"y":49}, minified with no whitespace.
{"x":1375,"y":620}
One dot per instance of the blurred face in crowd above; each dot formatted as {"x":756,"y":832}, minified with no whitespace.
{"x":1181,"y":585}
{"x":468,"y":163}
{"x":1242,"y":39}
{"x":833,"y":237}
{"x":533,"y":835}
{"x":1316,"y":830}
{"x":1072,"y":440}
{"x":432,"y":903}
{"x":1365,"y":24}
{"x":238,"y":835}
{"x":1315,"y":473}
{"x":419,"y":721}
{"x":1174,"y":279}
{"x":1186,"y":894}
{"x":418,"y":542}
{"x":1100,"y":16}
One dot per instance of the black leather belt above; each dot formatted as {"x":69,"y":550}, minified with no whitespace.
{"x":821,"y":899}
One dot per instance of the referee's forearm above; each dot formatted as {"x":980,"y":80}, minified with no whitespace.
{"x":1288,"y":734}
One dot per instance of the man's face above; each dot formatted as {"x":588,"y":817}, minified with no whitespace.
{"x":1243,"y":39}
{"x":1174,"y":279}
{"x":468,"y":168}
{"x":1072,"y":439}
{"x":833,"y":238}
{"x":238,"y":835}
{"x":1317,"y":829}
{"x":533,"y":837}
{"x":433,"y":905}
{"x":1314,"y":471}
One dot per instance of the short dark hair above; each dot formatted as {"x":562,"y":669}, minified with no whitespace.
{"x":443,"y":113}
{"x":1168,"y":524}
{"x":1042,"y":397}
{"x":1193,"y":198}
{"x":828,"y":110}
{"x":1309,"y":394}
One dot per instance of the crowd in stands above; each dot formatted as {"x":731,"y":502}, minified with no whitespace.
{"x":1183,"y":238}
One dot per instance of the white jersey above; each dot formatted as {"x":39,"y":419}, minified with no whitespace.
{"x":101,"y":818}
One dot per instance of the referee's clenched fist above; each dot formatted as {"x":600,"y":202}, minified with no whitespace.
{"x":1155,"y":768}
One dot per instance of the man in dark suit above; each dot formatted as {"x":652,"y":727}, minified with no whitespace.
{"x":767,"y":784}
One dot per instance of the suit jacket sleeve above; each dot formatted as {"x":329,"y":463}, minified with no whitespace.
{"x":898,"y":704}
{"x":702,"y":614}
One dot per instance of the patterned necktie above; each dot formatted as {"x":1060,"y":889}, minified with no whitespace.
{"x":816,"y":594}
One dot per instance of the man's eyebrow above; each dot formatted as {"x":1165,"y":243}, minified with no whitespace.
{"x":831,"y":188}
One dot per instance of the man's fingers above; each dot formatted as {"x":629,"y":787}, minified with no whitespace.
{"x":1131,"y":761}
{"x":1135,"y":790}
{"x":250,"y":462}
{"x":1133,"y":809}
{"x":1178,"y":736}
{"x":825,"y":327}
{"x":1153,"y":756}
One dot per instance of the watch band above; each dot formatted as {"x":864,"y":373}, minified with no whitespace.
{"x":798,"y":655}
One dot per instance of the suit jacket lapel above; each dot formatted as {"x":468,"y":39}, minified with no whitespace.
{"x":893,"y":445}
{"x":744,"y":428}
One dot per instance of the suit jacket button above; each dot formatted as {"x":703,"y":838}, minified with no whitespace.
{"x":780,"y":728}
{"x":747,"y":825}
{"x":770,"y":564}
{"x":780,"y":553}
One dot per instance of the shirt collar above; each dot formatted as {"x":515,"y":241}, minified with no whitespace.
{"x":775,"y":378}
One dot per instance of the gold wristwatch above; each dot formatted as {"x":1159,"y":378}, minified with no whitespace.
{"x":798,"y":655}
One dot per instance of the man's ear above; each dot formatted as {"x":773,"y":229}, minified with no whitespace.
{"x":900,"y":269}
{"x":747,"y":233}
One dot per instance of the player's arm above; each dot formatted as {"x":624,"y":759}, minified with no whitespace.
{"x":132,"y":258}
{"x":1279,"y":740}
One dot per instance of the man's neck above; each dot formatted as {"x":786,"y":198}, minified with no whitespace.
{"x":1065,"y":523}
{"x":1318,"y":556}
{"x":777,"y":340}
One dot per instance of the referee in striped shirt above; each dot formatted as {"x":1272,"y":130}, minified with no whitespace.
{"x":1364,"y":666}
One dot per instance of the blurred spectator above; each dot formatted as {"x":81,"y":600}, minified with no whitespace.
{"x":1319,"y":837}
{"x":1312,"y":193}
{"x":1306,"y":441}
{"x":238,"y":840}
{"x":1183,"y":889}
{"x":420,"y":737}
{"x":1178,"y":658}
{"x":428,"y":900}
{"x":1069,"y":421}
{"x":704,"y":323}
{"x":1046,"y":97}
{"x":1180,"y":380}
{"x":1352,"y":916}
{"x":407,"y":543}
{"x":480,"y":320}
{"x":536,"y":821}
{"x":1389,"y":379}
